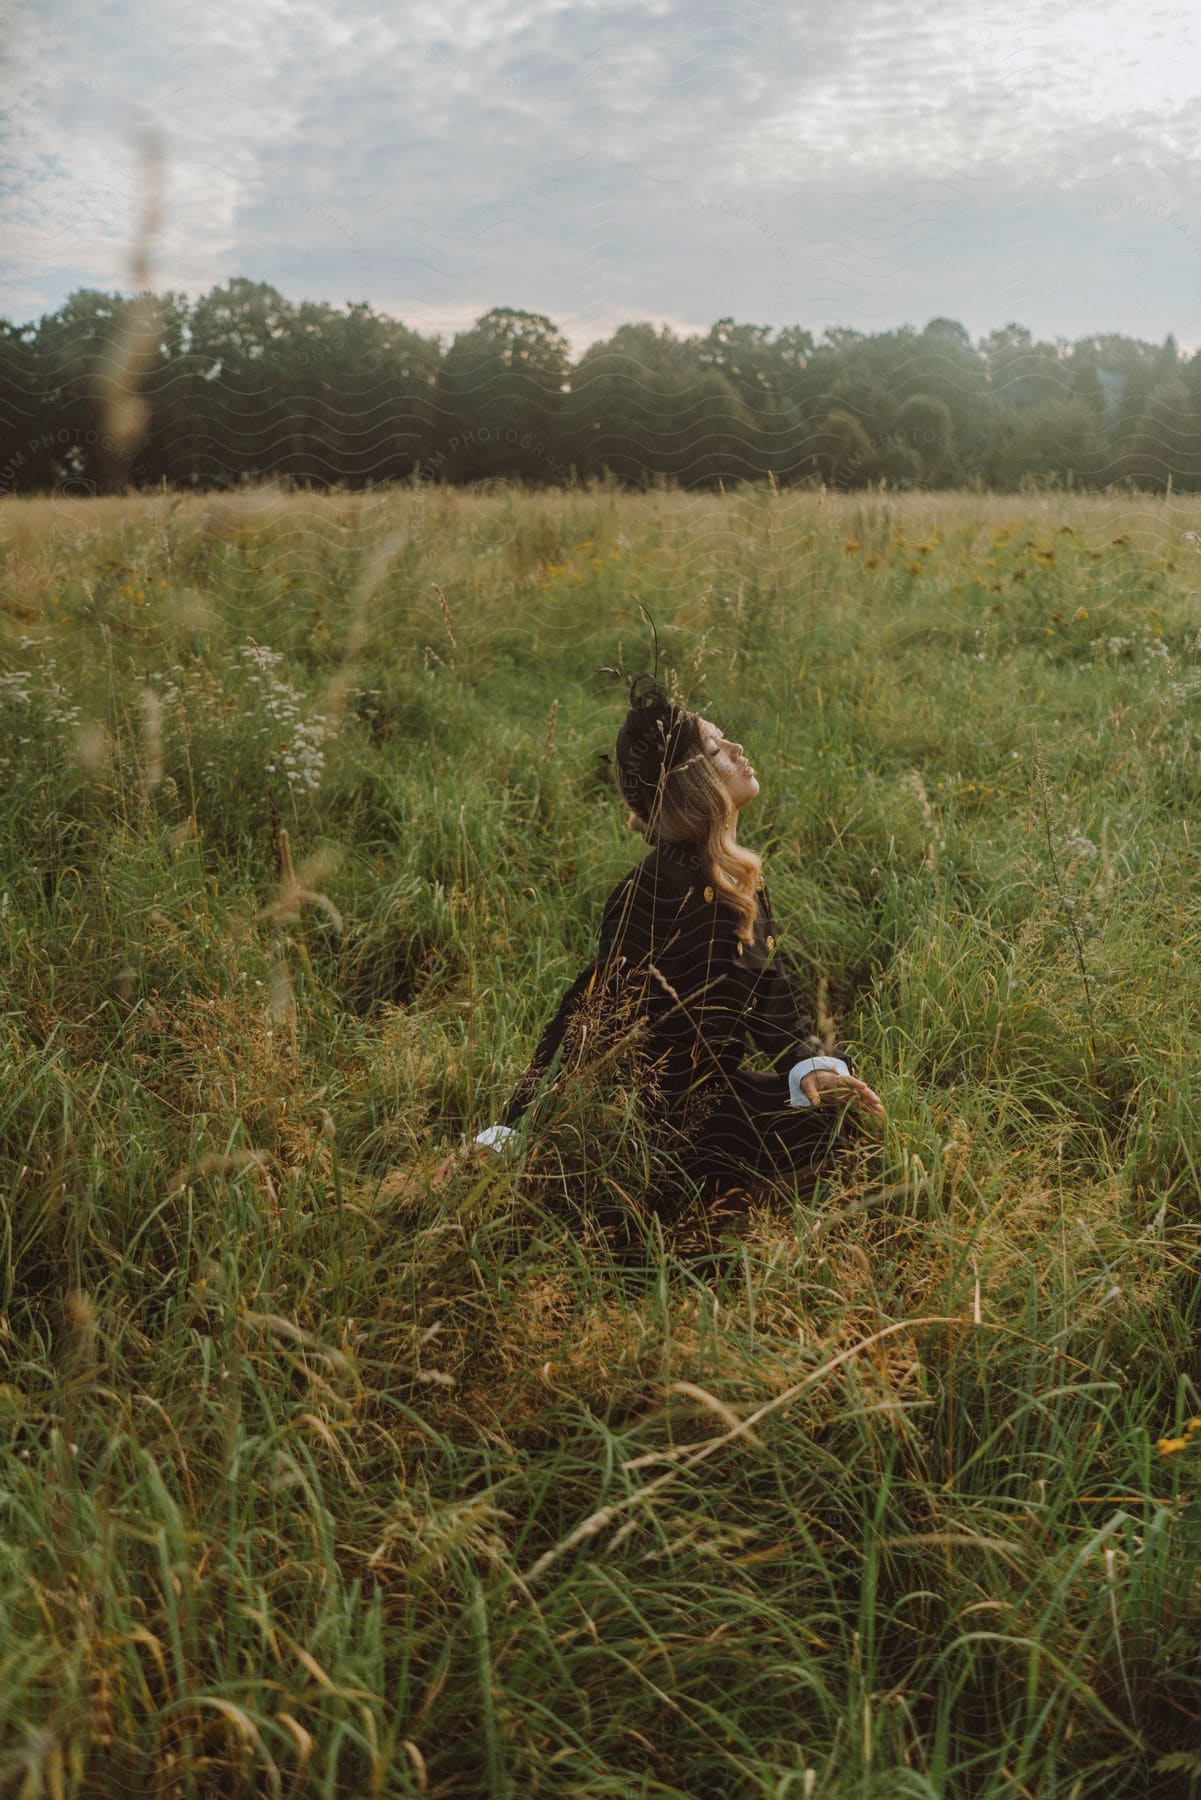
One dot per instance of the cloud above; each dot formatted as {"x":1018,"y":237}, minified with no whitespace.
{"x":603,"y":161}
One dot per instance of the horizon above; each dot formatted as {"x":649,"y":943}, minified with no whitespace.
{"x":577,"y":349}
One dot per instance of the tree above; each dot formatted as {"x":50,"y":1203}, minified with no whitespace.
{"x":242,"y":384}
{"x":234,"y":383}
{"x":924,"y":423}
{"x":649,"y":405}
{"x":500,"y":391}
{"x":1021,"y":372}
{"x":838,"y":441}
{"x":759,"y":370}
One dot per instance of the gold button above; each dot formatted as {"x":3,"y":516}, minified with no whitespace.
{"x":708,"y":893}
{"x":740,"y":946}
{"x":771,"y":942}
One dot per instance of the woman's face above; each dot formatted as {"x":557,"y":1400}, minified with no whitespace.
{"x":733,"y":770}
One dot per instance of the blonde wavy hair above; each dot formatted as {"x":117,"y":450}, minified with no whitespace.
{"x":692,"y":806}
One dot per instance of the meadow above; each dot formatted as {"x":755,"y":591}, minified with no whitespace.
{"x":320,"y":1477}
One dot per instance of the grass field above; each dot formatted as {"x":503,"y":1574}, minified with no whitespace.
{"x":319,"y":1478}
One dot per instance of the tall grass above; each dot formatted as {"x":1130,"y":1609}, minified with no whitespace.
{"x":320,"y":1478}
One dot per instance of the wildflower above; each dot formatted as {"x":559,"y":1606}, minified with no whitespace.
{"x":915,"y":568}
{"x":872,"y":562}
{"x":850,"y":545}
{"x":1170,"y":1446}
{"x":303,"y":760}
{"x":1081,"y":612}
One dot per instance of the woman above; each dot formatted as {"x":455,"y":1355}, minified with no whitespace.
{"x":688,"y":952}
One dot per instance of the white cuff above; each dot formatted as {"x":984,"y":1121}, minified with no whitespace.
{"x":799,"y":1070}
{"x":495,"y":1137}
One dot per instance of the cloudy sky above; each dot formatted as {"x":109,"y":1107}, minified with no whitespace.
{"x":784,"y":161}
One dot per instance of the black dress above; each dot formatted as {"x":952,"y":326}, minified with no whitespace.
{"x":668,"y":958}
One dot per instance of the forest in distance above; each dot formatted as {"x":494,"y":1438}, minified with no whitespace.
{"x":243,"y":385}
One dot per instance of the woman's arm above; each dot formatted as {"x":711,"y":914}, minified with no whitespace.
{"x":601,"y":977}
{"x":782,"y":1025}
{"x":779,"y":1022}
{"x":719,"y":1014}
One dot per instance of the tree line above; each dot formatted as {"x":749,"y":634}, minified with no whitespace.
{"x":244,"y":385}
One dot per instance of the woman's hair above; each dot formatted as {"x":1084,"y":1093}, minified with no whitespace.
{"x":693,"y":806}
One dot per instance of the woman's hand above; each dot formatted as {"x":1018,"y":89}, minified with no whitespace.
{"x":828,"y":1084}
{"x":459,"y":1159}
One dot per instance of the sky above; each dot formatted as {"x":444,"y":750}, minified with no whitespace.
{"x":607,"y":161}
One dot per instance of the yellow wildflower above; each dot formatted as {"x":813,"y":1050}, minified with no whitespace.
{"x":1169,"y":1446}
